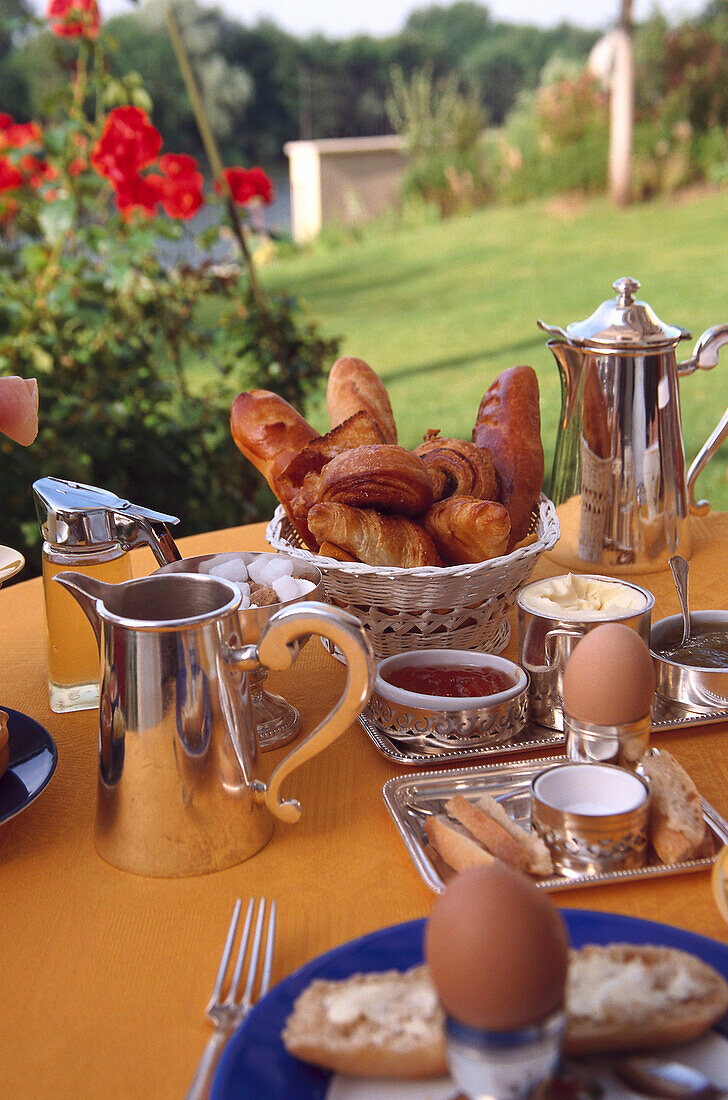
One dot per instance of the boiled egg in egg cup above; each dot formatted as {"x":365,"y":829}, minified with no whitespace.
{"x":497,"y":951}
{"x":609,"y":686}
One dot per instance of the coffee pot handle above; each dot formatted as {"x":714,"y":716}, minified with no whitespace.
{"x":276,"y":650}
{"x":705,"y":357}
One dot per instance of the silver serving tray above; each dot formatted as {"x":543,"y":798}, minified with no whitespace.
{"x":411,"y":799}
{"x":666,"y":716}
{"x":530,"y":737}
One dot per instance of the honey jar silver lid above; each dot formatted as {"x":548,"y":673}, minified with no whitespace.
{"x":82,"y":517}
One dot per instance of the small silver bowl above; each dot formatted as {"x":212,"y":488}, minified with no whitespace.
{"x":593,"y":817}
{"x":437,"y":722}
{"x":277,"y":721}
{"x":688,"y":684}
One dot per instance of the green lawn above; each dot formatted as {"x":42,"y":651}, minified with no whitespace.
{"x":438,"y":309}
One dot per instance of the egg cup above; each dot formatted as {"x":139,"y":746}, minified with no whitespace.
{"x":593,"y":817}
{"x":623,"y":745}
{"x":507,"y":1065}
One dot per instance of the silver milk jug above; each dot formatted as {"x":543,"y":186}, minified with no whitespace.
{"x":180,"y":786}
{"x":618,"y":480}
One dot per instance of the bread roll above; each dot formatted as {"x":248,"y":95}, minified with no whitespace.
{"x":458,"y":468}
{"x":353,"y":386}
{"x":386,"y":1024}
{"x":390,"y":479}
{"x":268,"y":431}
{"x":677,"y":824}
{"x":371,"y":537}
{"x":508,"y":425}
{"x":467,"y":530}
{"x":625,"y":997}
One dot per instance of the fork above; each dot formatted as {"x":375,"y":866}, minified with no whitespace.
{"x":226,"y":1013}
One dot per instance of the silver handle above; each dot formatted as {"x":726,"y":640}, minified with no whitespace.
{"x":705,"y":357}
{"x":552,"y":637}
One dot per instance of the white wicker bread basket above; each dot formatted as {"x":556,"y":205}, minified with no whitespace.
{"x":460,"y":606}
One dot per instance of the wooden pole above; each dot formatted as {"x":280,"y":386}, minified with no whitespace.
{"x":621,"y":110}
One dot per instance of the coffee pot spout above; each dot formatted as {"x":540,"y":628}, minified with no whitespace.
{"x":88,"y":592}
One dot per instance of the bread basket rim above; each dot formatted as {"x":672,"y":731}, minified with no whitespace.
{"x":548,"y":535}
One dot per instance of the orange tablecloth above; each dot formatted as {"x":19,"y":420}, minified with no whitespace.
{"x":105,"y":975}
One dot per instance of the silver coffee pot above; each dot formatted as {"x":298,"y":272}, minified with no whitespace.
{"x":619,"y":478}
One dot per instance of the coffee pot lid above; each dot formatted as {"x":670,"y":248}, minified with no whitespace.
{"x":624,"y":322}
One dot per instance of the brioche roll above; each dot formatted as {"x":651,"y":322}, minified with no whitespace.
{"x":371,"y":537}
{"x":352,"y":387}
{"x":390,"y":479}
{"x":458,"y":468}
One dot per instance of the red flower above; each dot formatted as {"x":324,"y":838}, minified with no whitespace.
{"x":77,"y":166}
{"x":10,"y":176}
{"x":37,"y":171}
{"x":19,"y":134}
{"x":138,"y":192}
{"x":127,"y":143}
{"x":181,"y":185}
{"x":74,"y":18}
{"x":246,"y":184}
{"x":5,"y":120}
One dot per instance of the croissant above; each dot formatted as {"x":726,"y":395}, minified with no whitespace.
{"x":353,"y":386}
{"x":390,"y":479}
{"x":458,"y":468}
{"x":371,"y":537}
{"x":508,"y":425}
{"x":465,"y":530}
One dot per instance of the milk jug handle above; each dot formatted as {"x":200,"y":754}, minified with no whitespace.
{"x":276,"y":651}
{"x":705,"y":357}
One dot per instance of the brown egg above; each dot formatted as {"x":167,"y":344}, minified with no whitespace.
{"x":497,"y":950}
{"x":609,"y":678}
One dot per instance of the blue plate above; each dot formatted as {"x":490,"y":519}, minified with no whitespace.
{"x":33,"y":759}
{"x":255,"y":1063}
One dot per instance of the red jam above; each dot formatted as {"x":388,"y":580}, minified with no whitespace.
{"x":453,"y":681}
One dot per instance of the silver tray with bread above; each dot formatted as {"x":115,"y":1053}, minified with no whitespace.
{"x":424,"y":545}
{"x":415,"y":801}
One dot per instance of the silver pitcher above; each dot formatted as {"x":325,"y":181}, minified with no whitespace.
{"x":180,"y":785}
{"x":619,"y":467}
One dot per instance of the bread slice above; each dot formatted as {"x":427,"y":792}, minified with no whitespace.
{"x":624,"y":997}
{"x":677,"y":825}
{"x":619,"y":997}
{"x":489,"y":823}
{"x":387,"y":1024}
{"x":454,"y":845}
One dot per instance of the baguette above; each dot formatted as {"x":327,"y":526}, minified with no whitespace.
{"x":370,"y":1025}
{"x":353,"y":386}
{"x":677,"y":825}
{"x":619,"y":997}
